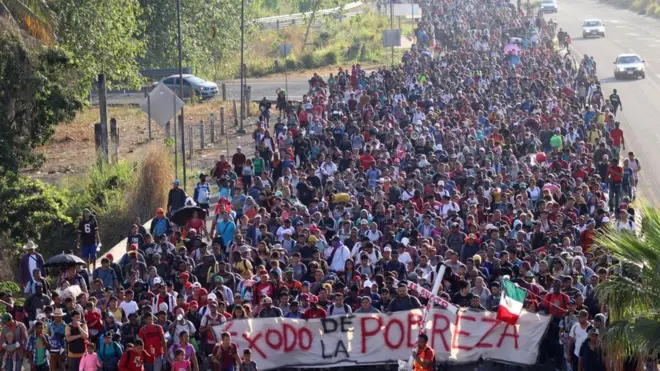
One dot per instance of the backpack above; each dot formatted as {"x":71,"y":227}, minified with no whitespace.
{"x":347,"y":309}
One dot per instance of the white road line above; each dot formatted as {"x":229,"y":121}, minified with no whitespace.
{"x":632,"y":34}
{"x":657,"y":75}
{"x":617,"y":41}
{"x":632,"y":51}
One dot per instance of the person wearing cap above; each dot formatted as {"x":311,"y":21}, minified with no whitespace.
{"x":56,"y":329}
{"x":591,"y":355}
{"x":36,"y":302}
{"x":160,"y":224}
{"x":223,"y":290}
{"x":109,"y":352}
{"x":314,"y":310}
{"x":30,"y":261}
{"x":107,"y":275}
{"x":268,"y":310}
{"x":176,"y":198}
{"x":88,"y":237}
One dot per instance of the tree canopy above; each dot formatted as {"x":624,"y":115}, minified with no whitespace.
{"x":36,"y":93}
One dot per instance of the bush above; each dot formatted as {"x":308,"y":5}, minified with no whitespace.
{"x":291,"y":62}
{"x":652,"y":9}
{"x":307,"y":61}
{"x":330,"y":58}
{"x":28,"y":207}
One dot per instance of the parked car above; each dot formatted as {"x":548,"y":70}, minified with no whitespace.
{"x":202,"y":88}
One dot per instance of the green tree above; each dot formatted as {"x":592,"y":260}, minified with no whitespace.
{"x":210,"y":31}
{"x":33,"y":16}
{"x":35,"y":95}
{"x":632,"y":293}
{"x":29,"y":207}
{"x":104,"y":36}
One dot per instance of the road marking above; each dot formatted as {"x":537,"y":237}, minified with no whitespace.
{"x":632,"y":34}
{"x":613,"y":21}
{"x":657,"y":75}
{"x":632,"y":51}
{"x":617,"y":41}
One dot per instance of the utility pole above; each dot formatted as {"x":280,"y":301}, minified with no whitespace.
{"x":392,"y":25}
{"x":183,"y":132}
{"x":241,"y":129}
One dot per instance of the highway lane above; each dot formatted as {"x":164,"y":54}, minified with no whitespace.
{"x":627,"y":32}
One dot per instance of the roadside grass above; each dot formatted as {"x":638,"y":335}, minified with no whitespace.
{"x":358,"y":39}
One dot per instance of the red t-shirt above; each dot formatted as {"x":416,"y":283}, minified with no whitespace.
{"x":315,"y":313}
{"x":153,"y":341}
{"x":617,"y":137}
{"x":366,"y":161}
{"x":615,"y":172}
{"x":556,"y":303}
{"x":133,"y":361}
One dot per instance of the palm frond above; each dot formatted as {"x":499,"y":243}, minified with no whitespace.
{"x":633,"y":292}
{"x":33,"y":16}
{"x":635,"y":335}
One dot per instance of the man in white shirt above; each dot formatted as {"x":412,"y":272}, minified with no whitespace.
{"x":336,"y":255}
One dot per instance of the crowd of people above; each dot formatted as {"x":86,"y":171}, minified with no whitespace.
{"x":488,"y":162}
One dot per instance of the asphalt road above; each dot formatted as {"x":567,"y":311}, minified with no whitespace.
{"x":298,"y":86}
{"x":626,"y":32}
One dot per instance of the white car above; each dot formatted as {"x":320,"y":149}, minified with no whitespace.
{"x":593,"y":27}
{"x":549,"y":6}
{"x":629,"y":66}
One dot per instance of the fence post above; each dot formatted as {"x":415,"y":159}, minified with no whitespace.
{"x":201,"y":134}
{"x":168,"y":131}
{"x":190,"y":142}
{"x":212,"y":128}
{"x":146,"y":94}
{"x":98,"y":141}
{"x":224,"y":92}
{"x":248,"y":93}
{"x":114,"y":137}
{"x":222,"y":121}
{"x":235,"y":114}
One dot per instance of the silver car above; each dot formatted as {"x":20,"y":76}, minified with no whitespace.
{"x":593,"y":27}
{"x":549,"y":6}
{"x":201,"y":87}
{"x":629,"y":66}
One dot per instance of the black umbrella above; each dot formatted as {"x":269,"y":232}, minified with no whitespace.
{"x":64,"y":260}
{"x":181,"y":216}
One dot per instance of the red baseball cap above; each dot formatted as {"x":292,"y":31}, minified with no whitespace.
{"x":133,"y":247}
{"x":185,"y":275}
{"x":188,"y":285}
{"x":193,"y":304}
{"x":109,"y":256}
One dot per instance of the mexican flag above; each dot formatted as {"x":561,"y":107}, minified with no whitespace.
{"x":511,"y":302}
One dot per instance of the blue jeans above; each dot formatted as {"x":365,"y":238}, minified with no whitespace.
{"x":156,"y":366}
{"x":14,"y":365}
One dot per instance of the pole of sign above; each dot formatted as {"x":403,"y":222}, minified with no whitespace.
{"x":392,"y":25}
{"x":183,"y":132}
{"x":436,"y":286}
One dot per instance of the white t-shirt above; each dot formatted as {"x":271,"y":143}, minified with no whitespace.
{"x":129,"y":308}
{"x":580,"y":335}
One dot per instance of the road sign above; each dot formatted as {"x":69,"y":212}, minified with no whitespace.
{"x":391,"y":38}
{"x":162,"y":103}
{"x":285,"y":49}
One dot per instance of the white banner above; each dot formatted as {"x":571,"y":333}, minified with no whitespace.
{"x":364,"y":339}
